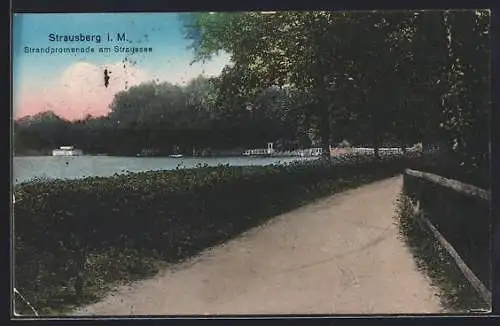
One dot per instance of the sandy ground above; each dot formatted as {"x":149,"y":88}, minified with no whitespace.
{"x":340,"y":255}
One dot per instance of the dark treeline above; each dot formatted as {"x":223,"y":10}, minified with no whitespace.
{"x":163,"y":116}
{"x":301,"y":78}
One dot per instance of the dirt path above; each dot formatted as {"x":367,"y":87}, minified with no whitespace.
{"x":340,"y":255}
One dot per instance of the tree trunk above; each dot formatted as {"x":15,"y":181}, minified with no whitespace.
{"x":403,"y":147}
{"x":376,"y":126}
{"x":376,"y":152}
{"x":325,"y":129}
{"x":376,"y":143}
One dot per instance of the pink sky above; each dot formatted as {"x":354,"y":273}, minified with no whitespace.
{"x":72,"y":85}
{"x":79,"y":90}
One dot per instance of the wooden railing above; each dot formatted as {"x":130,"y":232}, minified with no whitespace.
{"x":457,"y":215}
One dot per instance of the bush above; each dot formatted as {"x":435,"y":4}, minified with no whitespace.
{"x":463,"y":220}
{"x":478,"y":176}
{"x":86,"y":233}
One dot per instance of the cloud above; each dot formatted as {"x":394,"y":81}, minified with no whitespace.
{"x":79,"y":90}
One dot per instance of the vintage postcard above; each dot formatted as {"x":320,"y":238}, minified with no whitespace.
{"x":250,"y":163}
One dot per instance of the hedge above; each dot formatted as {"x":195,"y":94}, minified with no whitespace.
{"x":463,"y":219}
{"x":452,"y":169}
{"x":72,"y":237}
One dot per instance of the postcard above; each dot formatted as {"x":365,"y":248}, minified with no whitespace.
{"x":251,"y":163}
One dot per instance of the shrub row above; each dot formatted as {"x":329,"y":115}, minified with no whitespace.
{"x":452,"y":169}
{"x":464,"y":220}
{"x":96,"y":228}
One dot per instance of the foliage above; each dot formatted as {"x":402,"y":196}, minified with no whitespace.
{"x":381,"y":75}
{"x":467,"y":102}
{"x":477,"y":177}
{"x":163,"y":116}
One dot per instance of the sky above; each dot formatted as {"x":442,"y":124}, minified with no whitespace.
{"x":72,"y":84}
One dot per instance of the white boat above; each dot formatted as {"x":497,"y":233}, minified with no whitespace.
{"x":260,"y":151}
{"x":67,"y":151}
{"x":176,"y":155}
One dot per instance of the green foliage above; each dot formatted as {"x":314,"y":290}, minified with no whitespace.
{"x":453,"y":170}
{"x":406,"y":75}
{"x":466,"y":104}
{"x":119,"y":228}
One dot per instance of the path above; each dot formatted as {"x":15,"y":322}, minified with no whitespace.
{"x":340,"y":255}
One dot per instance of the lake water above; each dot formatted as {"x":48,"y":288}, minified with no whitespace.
{"x":72,"y":167}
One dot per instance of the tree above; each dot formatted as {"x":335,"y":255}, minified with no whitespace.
{"x":269,"y":50}
{"x":466,"y":104}
{"x":326,"y":55}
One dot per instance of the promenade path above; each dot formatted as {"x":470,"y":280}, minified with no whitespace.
{"x":340,"y":255}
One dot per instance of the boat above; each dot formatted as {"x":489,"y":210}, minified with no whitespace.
{"x":260,"y":151}
{"x":257,"y":152}
{"x":176,"y":155}
{"x":67,"y":151}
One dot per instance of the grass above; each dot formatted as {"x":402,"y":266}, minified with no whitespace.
{"x":456,"y":293}
{"x":105,"y":271}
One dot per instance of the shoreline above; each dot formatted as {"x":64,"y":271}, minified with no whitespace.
{"x":167,"y":156}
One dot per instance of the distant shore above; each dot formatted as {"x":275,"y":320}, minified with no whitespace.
{"x":305,"y":152}
{"x":166,"y":156}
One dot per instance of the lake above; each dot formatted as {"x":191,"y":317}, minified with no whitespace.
{"x":72,"y":167}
